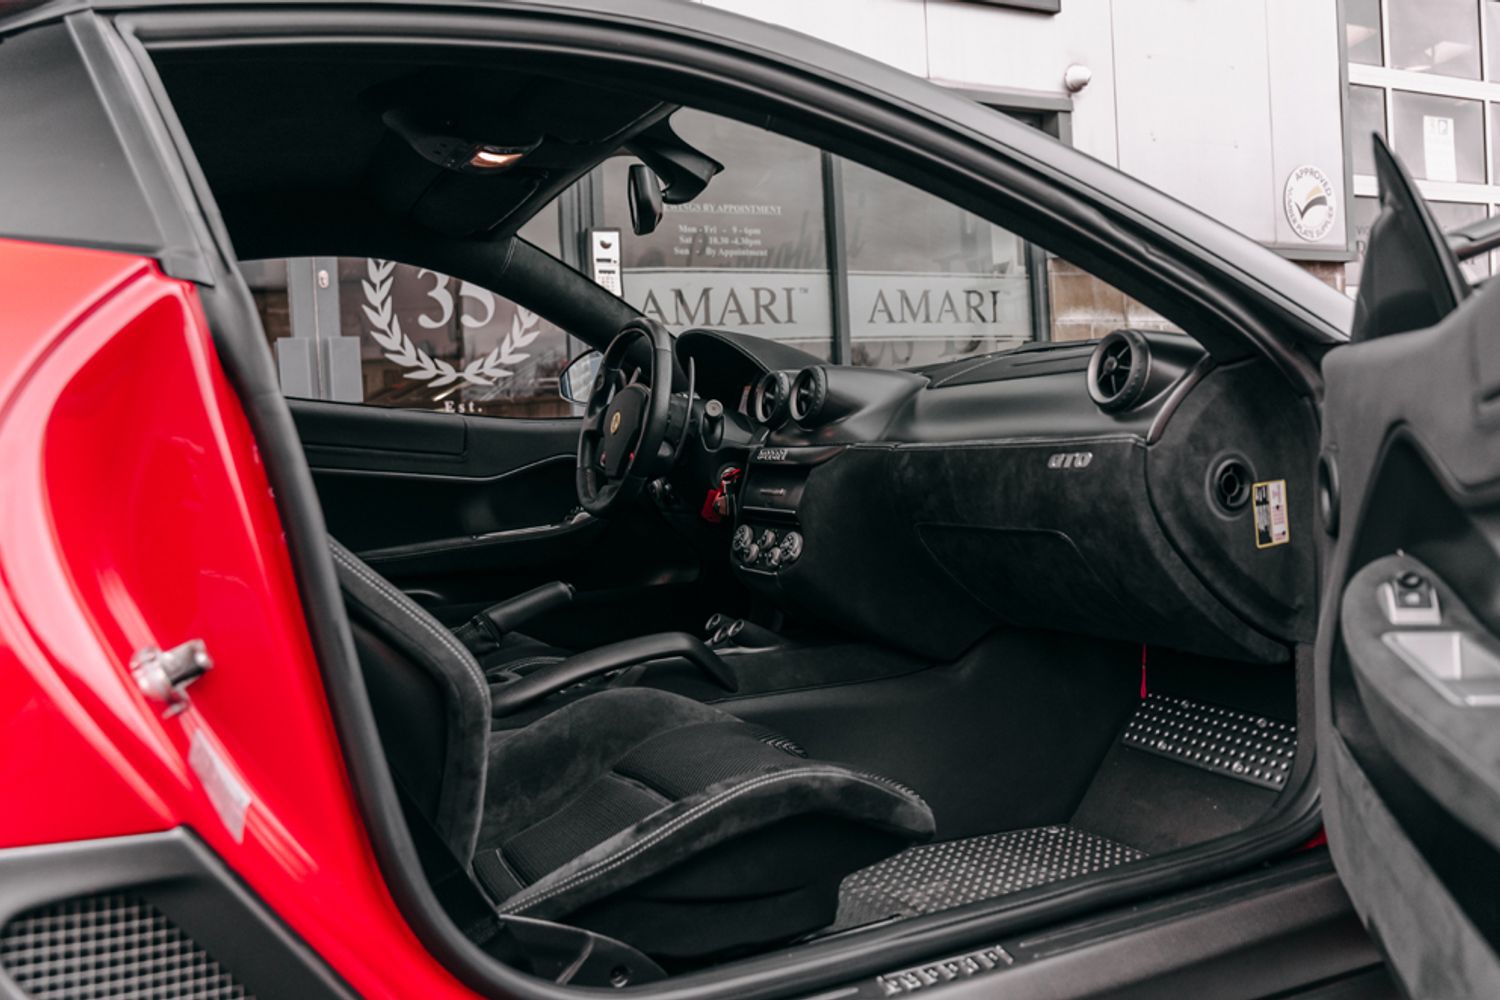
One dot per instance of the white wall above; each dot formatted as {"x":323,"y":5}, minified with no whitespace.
{"x":1214,"y":101}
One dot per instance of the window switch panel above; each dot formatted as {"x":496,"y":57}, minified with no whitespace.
{"x":1409,"y":598}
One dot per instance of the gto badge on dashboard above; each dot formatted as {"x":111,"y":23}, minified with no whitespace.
{"x":1070,"y":460}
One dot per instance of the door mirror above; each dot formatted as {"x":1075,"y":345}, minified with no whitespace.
{"x":645,"y":199}
{"x":577,"y":380}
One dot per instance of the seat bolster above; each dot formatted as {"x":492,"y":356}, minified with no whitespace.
{"x":534,"y":771}
{"x":717,"y":815}
{"x":403,"y":624}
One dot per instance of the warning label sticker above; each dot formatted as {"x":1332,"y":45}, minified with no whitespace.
{"x":1271,"y":526}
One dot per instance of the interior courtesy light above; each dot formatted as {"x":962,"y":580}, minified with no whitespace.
{"x":490,"y":158}
{"x":458,"y":143}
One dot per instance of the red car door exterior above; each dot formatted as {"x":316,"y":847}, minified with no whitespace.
{"x":135,"y":512}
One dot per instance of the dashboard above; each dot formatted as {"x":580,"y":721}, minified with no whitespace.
{"x":1130,"y":488}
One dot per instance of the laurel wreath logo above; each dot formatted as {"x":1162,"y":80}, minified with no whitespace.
{"x":385,"y":327}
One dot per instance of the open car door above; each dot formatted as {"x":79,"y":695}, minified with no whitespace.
{"x":1408,"y":671}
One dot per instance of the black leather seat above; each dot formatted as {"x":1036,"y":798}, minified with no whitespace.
{"x":652,"y":818}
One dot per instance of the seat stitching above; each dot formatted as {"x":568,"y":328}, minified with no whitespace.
{"x":605,"y":865}
{"x":398,"y":602}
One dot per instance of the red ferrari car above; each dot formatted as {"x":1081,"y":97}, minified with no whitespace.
{"x":390,"y":392}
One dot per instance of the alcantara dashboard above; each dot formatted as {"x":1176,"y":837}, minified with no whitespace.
{"x":1128,"y":488}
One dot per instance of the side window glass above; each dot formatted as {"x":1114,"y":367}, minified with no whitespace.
{"x":927,"y":280}
{"x":849,"y":264}
{"x":382,"y":333}
{"x":747,"y":254}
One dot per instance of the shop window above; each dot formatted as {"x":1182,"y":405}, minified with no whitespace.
{"x":1366,"y":116}
{"x":1451,"y":215}
{"x":927,"y":281}
{"x":1435,"y":36}
{"x":1362,"y":31}
{"x":378,"y":332}
{"x":845,"y":262}
{"x":1439,"y":138}
{"x":748,"y":254}
{"x":1492,"y":39}
{"x":1361,"y":218}
{"x":1494,"y":255}
{"x":1495,"y":143}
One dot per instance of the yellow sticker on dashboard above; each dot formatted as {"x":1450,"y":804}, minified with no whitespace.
{"x":1271,"y":524}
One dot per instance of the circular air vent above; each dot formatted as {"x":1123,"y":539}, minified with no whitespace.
{"x":1229,"y":484}
{"x":771,"y":394}
{"x":809,"y":393}
{"x":1118,"y":370}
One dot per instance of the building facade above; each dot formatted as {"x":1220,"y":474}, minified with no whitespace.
{"x":1255,"y":113}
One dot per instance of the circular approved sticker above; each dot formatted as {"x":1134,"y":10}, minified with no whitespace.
{"x":1309,"y":203}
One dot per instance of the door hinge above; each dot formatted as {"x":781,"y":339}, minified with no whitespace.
{"x":163,"y":676}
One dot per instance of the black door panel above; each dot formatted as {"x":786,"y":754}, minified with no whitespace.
{"x":373,"y":508}
{"x":1409,"y":688}
{"x":350,"y":436}
{"x":404,"y":477}
{"x":464,"y":511}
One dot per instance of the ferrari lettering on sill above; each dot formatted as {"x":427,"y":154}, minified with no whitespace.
{"x":975,"y":963}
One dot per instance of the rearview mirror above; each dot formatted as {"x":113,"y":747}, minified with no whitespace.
{"x":577,"y":380}
{"x":645,"y":199}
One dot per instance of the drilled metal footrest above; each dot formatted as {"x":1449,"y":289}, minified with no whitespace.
{"x":936,"y":877}
{"x":1235,"y":744}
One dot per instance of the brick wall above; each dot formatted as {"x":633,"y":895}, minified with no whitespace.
{"x":1086,"y":308}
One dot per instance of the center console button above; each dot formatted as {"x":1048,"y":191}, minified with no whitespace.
{"x":773,"y":558}
{"x":767,"y":538}
{"x":743,"y":536}
{"x":791,"y":547}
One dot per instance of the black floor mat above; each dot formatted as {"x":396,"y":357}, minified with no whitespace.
{"x":937,"y":877}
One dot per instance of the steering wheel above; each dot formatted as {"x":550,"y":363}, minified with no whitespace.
{"x":625,"y":421}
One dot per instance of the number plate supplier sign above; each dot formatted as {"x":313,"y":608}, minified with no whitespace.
{"x":1310,"y":203}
